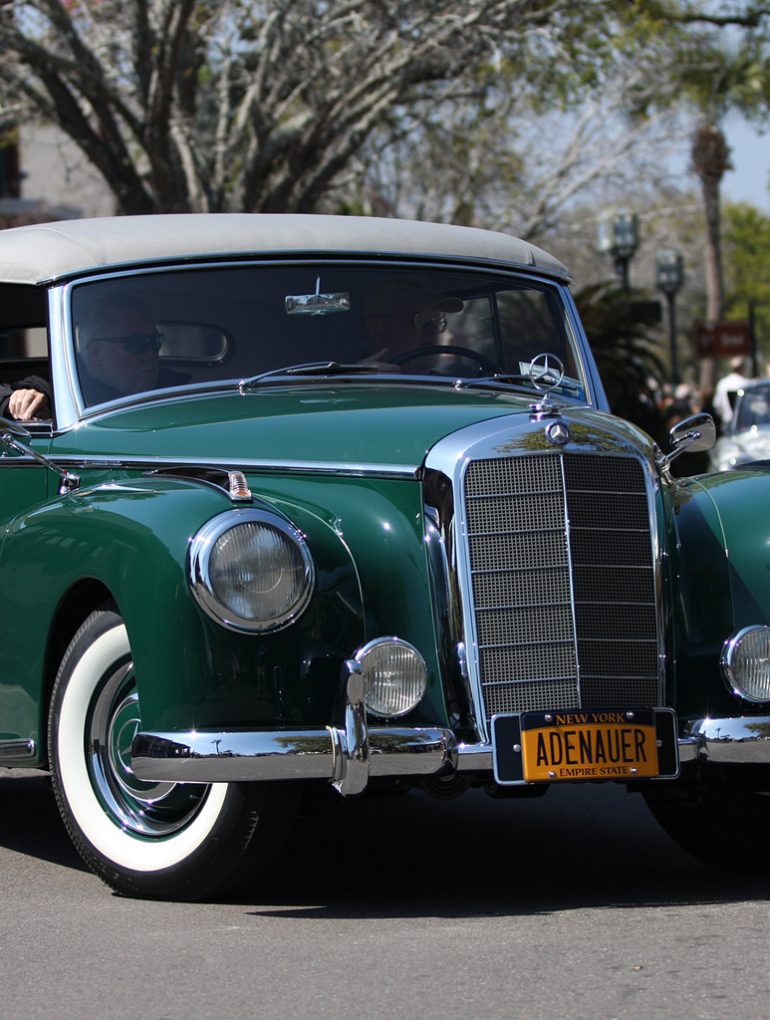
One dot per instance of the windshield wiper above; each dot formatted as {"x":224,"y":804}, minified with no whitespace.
{"x":511,"y":378}
{"x":306,"y":368}
{"x":498,"y":377}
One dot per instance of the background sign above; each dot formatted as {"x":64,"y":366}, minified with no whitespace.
{"x":723,"y":339}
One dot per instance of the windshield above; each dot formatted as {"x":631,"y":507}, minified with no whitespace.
{"x":155,"y":330}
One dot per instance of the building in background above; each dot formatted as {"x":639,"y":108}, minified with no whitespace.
{"x":44,"y":176}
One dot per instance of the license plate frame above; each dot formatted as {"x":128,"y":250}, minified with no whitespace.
{"x":593,"y":745}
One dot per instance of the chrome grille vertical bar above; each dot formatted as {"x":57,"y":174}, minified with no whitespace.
{"x":570,"y":570}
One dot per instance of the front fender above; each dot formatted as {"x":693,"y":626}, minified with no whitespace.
{"x":721,"y":580}
{"x":132,"y":538}
{"x":381,"y":523}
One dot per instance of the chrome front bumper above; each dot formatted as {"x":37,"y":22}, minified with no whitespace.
{"x":352,"y":754}
{"x":287,"y":754}
{"x":737,"y":740}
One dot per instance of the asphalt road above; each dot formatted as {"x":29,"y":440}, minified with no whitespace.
{"x":572,"y":906}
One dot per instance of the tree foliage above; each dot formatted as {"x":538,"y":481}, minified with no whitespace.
{"x":747,"y":247}
{"x":621,"y":328}
{"x":263,"y":104}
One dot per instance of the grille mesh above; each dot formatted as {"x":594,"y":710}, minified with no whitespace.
{"x":563,"y":582}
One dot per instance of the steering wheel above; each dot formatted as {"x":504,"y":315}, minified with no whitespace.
{"x":490,"y":368}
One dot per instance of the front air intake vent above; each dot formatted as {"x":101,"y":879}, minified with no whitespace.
{"x":562,"y":582}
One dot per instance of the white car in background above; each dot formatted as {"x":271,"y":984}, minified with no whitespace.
{"x":747,"y":437}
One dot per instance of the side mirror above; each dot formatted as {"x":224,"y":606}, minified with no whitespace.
{"x":695,"y":434}
{"x":691,"y":435}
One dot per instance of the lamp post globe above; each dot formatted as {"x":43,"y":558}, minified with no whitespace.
{"x":618,"y":235}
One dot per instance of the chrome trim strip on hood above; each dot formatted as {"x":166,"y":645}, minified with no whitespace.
{"x":315,"y":467}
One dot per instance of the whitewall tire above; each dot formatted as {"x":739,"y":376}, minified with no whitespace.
{"x":161,"y":840}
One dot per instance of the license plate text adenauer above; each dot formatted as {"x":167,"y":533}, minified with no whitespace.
{"x":589,"y":745}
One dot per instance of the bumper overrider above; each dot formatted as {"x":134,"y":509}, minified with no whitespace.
{"x":349,"y":755}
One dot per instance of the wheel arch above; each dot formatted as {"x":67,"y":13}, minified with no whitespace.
{"x":83,"y":598}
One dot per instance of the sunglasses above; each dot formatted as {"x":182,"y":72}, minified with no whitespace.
{"x":135,"y":343}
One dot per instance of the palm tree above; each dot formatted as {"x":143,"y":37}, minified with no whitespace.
{"x":718,"y":80}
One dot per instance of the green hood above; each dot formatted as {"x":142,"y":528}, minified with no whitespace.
{"x":346,"y":426}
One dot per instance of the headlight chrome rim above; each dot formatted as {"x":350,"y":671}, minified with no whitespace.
{"x":739,"y":651}
{"x":202,"y":546}
{"x":374,"y":647}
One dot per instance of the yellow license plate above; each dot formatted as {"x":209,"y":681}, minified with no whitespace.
{"x":589,"y":745}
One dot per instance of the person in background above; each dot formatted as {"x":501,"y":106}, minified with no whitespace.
{"x":727,"y":388}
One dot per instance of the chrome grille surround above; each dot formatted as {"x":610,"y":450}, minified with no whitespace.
{"x":557,"y":568}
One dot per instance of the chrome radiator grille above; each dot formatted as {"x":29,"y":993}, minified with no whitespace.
{"x":563,"y":584}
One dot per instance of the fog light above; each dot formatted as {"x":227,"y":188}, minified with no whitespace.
{"x":746,"y":663}
{"x":394,"y":674}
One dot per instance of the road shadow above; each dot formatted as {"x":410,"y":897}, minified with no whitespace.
{"x":413,"y":856}
{"x":31,"y":823}
{"x":577,"y":847}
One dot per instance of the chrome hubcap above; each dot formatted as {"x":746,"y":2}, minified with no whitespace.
{"x":150,"y":810}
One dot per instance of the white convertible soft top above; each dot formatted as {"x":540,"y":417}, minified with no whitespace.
{"x":44,"y":252}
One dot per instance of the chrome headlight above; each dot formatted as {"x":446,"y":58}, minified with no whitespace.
{"x":251,"y":570}
{"x":394,"y":675}
{"x":746,"y":663}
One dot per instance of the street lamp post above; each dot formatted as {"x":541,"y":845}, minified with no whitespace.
{"x":669,"y":276}
{"x":618,"y":235}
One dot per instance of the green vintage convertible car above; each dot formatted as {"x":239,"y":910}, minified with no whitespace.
{"x":313,"y":500}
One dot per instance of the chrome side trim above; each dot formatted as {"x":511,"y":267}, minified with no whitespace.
{"x":738,"y":740}
{"x":17,"y":751}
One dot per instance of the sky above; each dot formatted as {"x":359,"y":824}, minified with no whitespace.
{"x":748,"y":182}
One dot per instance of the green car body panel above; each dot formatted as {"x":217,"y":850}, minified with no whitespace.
{"x":721,"y":559}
